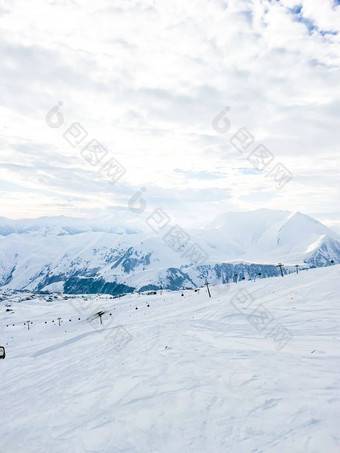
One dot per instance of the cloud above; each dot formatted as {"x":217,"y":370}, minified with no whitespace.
{"x":146,"y":79}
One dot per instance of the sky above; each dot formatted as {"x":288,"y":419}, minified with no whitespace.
{"x":147,"y":80}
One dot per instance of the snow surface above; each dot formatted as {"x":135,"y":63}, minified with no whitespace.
{"x":184,"y":374}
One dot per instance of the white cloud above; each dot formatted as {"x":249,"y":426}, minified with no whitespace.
{"x":146,"y":79}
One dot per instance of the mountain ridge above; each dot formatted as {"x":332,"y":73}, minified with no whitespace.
{"x":77,"y":255}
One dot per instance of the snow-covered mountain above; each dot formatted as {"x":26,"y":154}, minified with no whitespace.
{"x":113,"y":255}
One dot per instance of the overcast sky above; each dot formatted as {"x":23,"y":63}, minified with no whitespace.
{"x":146,"y":80}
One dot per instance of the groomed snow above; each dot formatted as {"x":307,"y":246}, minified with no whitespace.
{"x":184,"y":374}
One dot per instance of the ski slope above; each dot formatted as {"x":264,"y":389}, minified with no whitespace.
{"x":181,"y":373}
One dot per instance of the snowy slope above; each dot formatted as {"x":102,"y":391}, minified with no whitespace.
{"x":267,"y":236}
{"x":178,"y":374}
{"x":100,"y":256}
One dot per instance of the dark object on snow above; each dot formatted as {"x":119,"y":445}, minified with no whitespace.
{"x":280,"y":265}
{"x":207,"y":285}
{"x":2,"y":352}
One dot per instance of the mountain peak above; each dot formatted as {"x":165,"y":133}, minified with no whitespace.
{"x":35,"y":254}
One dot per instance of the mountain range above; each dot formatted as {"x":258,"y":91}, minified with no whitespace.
{"x":115,"y":256}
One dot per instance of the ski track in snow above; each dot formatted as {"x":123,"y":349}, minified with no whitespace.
{"x":193,"y":375}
